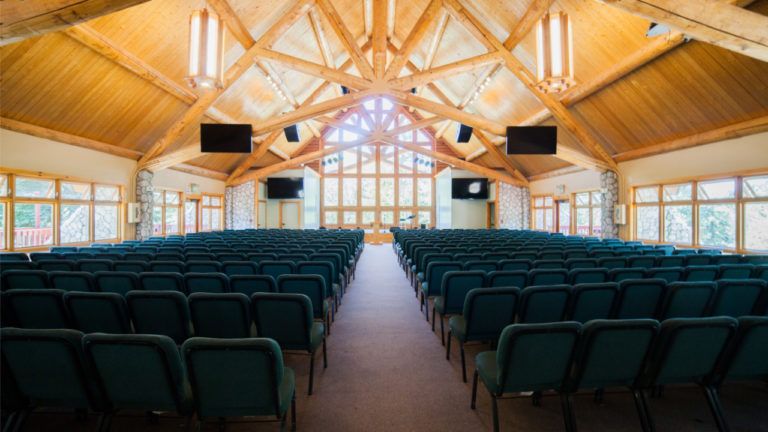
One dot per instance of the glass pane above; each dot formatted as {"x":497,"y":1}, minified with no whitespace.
{"x":157,"y":198}
{"x":717,"y":225}
{"x":387,"y":164}
{"x":424,"y":190}
{"x":754,"y":187}
{"x":597,"y":198}
{"x":349,"y":158}
{"x":405,"y":160}
{"x":564,"y":217}
{"x":647,"y":195}
{"x":190,"y":217}
{"x":35,"y":188}
{"x":549,"y":223}
{"x":425,"y":217}
{"x":368,"y":218}
{"x":387,"y":218}
{"x":33,"y":225}
{"x":582,"y":199}
{"x":171,"y":220}
{"x":216,"y":220}
{"x":597,"y":221}
{"x":349,"y":192}
{"x":424,"y":166}
{"x":3,"y":185}
{"x":648,"y":223}
{"x":538,"y":202}
{"x":75,"y":191}
{"x":678,"y":223}
{"x":105,"y":222}
{"x":157,"y":220}
{"x":75,"y":223}
{"x":538,"y":219}
{"x":331,"y":164}
{"x":206,"y":200}
{"x":405,"y":192}
{"x":368,"y":159}
{"x":331,"y":191}
{"x":548,"y":201}
{"x":2,"y":226}
{"x":582,"y":221}
{"x":368,"y":192}
{"x":107,"y":193}
{"x":717,"y":189}
{"x":171,"y":198}
{"x":350,"y":217}
{"x":405,"y":217}
{"x":331,"y":217}
{"x":756,"y":226}
{"x":387,"y":192}
{"x":206,"y":219}
{"x":216,"y":201}
{"x":678,"y":192}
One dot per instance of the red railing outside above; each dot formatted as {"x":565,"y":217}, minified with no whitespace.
{"x":30,"y":237}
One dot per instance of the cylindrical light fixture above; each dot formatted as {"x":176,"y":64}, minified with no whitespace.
{"x":206,"y":50}
{"x":554,"y":53}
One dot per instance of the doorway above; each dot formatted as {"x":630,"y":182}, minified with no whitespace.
{"x":262,"y":222}
{"x":490,"y":212}
{"x":191,"y":208}
{"x":563,"y":216}
{"x":290,"y":214}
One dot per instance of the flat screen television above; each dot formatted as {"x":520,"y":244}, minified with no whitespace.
{"x":225,"y":138}
{"x":531,"y":140}
{"x":285,"y":188}
{"x":469,"y":188}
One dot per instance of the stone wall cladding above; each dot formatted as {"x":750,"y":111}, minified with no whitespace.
{"x":145,"y":200}
{"x":609,"y":185}
{"x":239,"y":205}
{"x":514,"y":206}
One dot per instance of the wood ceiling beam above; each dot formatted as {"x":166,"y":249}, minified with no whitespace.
{"x":167,"y":160}
{"x":200,"y":171}
{"x":340,"y":124}
{"x":379,"y":37}
{"x":716,"y":22}
{"x":576,"y":157}
{"x":368,"y":17}
{"x":279,"y":153}
{"x":412,"y":40}
{"x":418,"y":124}
{"x":322,"y":42}
{"x":434,"y":44}
{"x":106,"y":47}
{"x":346,"y":38}
{"x":23,"y":19}
{"x":391,"y":10}
{"x":556,"y":173}
{"x":441,"y":72}
{"x":449,"y":112}
{"x":500,"y":156}
{"x":314,"y":69}
{"x":736,"y":130}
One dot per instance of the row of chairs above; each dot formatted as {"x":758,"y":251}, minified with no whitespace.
{"x":9,"y":258}
{"x":639,"y":354}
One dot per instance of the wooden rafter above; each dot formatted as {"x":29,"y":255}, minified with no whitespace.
{"x":200,"y":171}
{"x":450,"y":112}
{"x":314,"y":69}
{"x":391,"y":10}
{"x":346,"y":38}
{"x":500,"y":156}
{"x":322,"y":43}
{"x":368,"y":17}
{"x":379,"y":37}
{"x":412,"y":40}
{"x":444,"y":71}
{"x":434,"y":44}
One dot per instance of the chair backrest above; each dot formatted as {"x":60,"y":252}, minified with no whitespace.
{"x":533,"y":357}
{"x":312,"y":286}
{"x":73,"y":281}
{"x":36,"y":308}
{"x":592,"y":301}
{"x":40,"y":256}
{"x":515,"y":264}
{"x":486,"y":266}
{"x":687,"y":299}
{"x":612,"y":262}
{"x":701,"y":273}
{"x":755,"y":259}
{"x":249,"y":284}
{"x":576,"y":263}
{"x":737,"y":298}
{"x":160,"y":312}
{"x":150,"y":363}
{"x":323,"y":269}
{"x":612,"y":353}
{"x":133,"y":266}
{"x":145,"y":256}
{"x":587,"y":275}
{"x":206,"y":283}
{"x":220,"y":315}
{"x":49,"y":369}
{"x":488,"y":310}
{"x":230,"y":256}
{"x":642,"y":261}
{"x":167,"y":267}
{"x":194,"y":266}
{"x":735,"y":271}
{"x":117,"y":281}
{"x":688,"y":349}
{"x":620,"y":274}
{"x":547,"y":277}
{"x":435,"y":274}
{"x":286,"y":318}
{"x":13,"y":256}
{"x":726,"y":259}
{"x":669,"y":274}
{"x":260,"y":256}
{"x":456,"y":285}
{"x":698,"y":260}
{"x":746,"y":359}
{"x":277,"y":268}
{"x":162,"y":281}
{"x":549,"y":264}
{"x":542,"y":304}
{"x":254,"y":367}
{"x":94,"y":265}
{"x":513,"y":278}
{"x":24,"y":279}
{"x":639,"y":298}
{"x":97,"y":312}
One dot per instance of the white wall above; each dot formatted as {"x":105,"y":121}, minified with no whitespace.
{"x":273,"y":205}
{"x":574,"y":182}
{"x":468,"y":213}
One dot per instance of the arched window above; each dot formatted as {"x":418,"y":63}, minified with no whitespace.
{"x":378,"y":185}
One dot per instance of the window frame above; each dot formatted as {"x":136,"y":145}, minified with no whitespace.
{"x":544,"y":208}
{"x":590,"y":206}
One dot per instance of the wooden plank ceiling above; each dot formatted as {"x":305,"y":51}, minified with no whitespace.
{"x":118,"y":78}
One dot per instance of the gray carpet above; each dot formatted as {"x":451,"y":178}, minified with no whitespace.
{"x":387,"y":372}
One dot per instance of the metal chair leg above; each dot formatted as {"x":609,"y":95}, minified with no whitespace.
{"x":311,"y":372}
{"x":463,"y":362}
{"x":474,"y":390}
{"x":448,"y":347}
{"x":713,"y":400}
{"x":433,"y":318}
{"x":536,"y":398}
{"x":599,"y":393}
{"x":647,"y":411}
{"x":495,"y":413}
{"x":325,"y":355}
{"x":568,"y":417}
{"x":293,"y":411}
{"x":442,"y":330}
{"x":640,"y":409}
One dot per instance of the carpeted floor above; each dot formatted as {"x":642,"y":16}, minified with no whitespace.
{"x":387,"y":372}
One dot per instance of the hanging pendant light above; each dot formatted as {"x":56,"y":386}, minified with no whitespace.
{"x":206,"y":46}
{"x":554,"y":53}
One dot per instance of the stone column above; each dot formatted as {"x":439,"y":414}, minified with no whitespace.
{"x":239,"y":205}
{"x":514,"y":206}
{"x":609,"y":185}
{"x":145,"y":200}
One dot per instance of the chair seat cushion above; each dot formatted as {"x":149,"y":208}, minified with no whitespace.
{"x":487,"y":369}
{"x":458,"y":326}
{"x":440,"y":304}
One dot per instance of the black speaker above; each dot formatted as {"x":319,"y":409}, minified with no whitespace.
{"x":292,"y":133}
{"x":463,"y":133}
{"x":344,"y":90}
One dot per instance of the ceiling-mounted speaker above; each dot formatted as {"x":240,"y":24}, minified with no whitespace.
{"x":463,"y":133}
{"x":292,"y":133}
{"x":413,"y":90}
{"x":656,"y":29}
{"x":344,"y":90}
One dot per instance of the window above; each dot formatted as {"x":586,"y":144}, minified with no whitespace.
{"x":727,"y":213}
{"x":564,"y":217}
{"x":377,"y":185}
{"x":190,"y":216}
{"x":166,"y":212}
{"x":543,"y":213}
{"x":212,"y":209}
{"x":588,"y":213}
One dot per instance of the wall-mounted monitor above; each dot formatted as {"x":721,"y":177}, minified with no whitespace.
{"x":285,"y":188}
{"x":469,"y":188}
{"x":532,"y":140}
{"x":226,"y":138}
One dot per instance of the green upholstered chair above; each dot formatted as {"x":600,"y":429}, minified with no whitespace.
{"x":249,"y":284}
{"x":120,"y":282}
{"x":162,"y":281}
{"x":323,"y":269}
{"x":98,"y":312}
{"x":613,"y":353}
{"x":515,"y":264}
{"x":612,"y":262}
{"x":312,"y":286}
{"x":36,"y":308}
{"x":200,"y":257}
{"x":639,"y":298}
{"x":577,"y":263}
{"x":220,"y":315}
{"x":229,"y":256}
{"x":588,"y":275}
{"x":277,"y":268}
{"x":25,"y":279}
{"x":254,"y":382}
{"x":541,"y":304}
{"x":145,"y":257}
{"x":134,"y":266}
{"x":455,"y":286}
{"x":485,"y":314}
{"x":735,"y":271}
{"x":13,"y":256}
{"x":73,"y":281}
{"x":287,"y":318}
{"x":206,"y":283}
{"x":698,"y":260}
{"x":620,"y":274}
{"x":203,"y":266}
{"x":688,"y":351}
{"x":530,"y":357}
{"x":737,"y":298}
{"x":231,"y":268}
{"x":20,"y":265}
{"x":538,"y":277}
{"x":49,"y":369}
{"x":486,"y":266}
{"x":432,"y":285}
{"x":641,"y":261}
{"x":258,"y":257}
{"x":160,"y":312}
{"x":94,"y":265}
{"x":508,"y":278}
{"x":167,"y":267}
{"x":670,"y":261}
{"x":701,"y":273}
{"x":592,"y":301}
{"x":687,"y":299}
{"x":669,"y":274}
{"x":139,"y":372}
